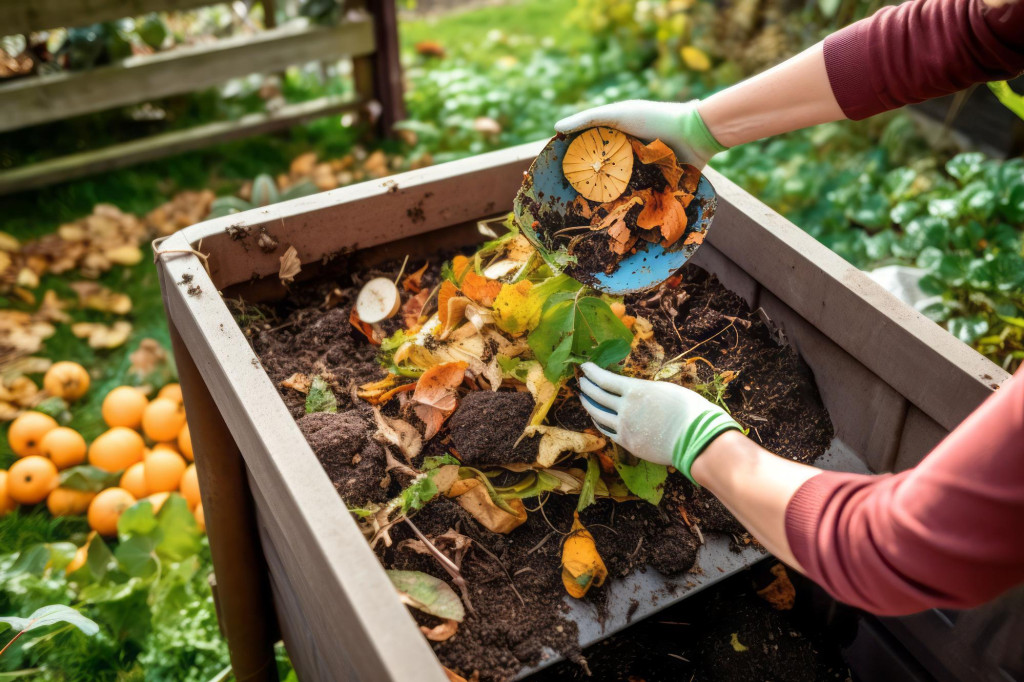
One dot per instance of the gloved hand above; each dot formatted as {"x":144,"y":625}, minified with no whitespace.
{"x":655,"y":420}
{"x":677,"y":124}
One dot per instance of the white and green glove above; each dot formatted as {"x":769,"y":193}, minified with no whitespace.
{"x":677,"y":124}
{"x":654,"y":420}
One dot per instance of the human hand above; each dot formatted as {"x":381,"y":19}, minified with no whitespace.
{"x":677,"y":124}
{"x":654,"y":420}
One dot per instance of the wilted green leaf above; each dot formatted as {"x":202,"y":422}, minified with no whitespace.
{"x":88,"y":478}
{"x":586,"y":497}
{"x":644,"y":479}
{"x":428,"y":594}
{"x":320,"y":397}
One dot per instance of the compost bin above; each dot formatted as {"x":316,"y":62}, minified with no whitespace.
{"x":290,"y":559}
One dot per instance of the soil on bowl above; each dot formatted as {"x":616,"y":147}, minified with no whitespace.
{"x":514,"y":581}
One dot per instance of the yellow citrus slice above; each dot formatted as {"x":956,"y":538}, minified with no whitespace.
{"x":598,"y":164}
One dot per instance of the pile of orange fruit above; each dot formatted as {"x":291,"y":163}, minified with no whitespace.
{"x":147,"y":443}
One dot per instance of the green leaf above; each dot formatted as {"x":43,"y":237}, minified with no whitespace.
{"x":968,"y":329}
{"x":320,"y":397}
{"x":50,"y":615}
{"x":179,"y":534}
{"x":136,"y":520}
{"x":88,"y":478}
{"x":421,"y":491}
{"x":644,"y":479}
{"x":428,"y":594}
{"x":137,"y":556}
{"x":439,"y":460}
{"x":610,"y":352}
{"x":586,"y":497}
{"x":572,"y":329}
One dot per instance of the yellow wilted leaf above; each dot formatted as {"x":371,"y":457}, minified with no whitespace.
{"x":582,"y":566}
{"x":515,"y":312}
{"x":102,"y":336}
{"x":555,"y":441}
{"x":127,"y":255}
{"x":472,"y":496}
{"x":695,"y":58}
{"x":98,"y":297}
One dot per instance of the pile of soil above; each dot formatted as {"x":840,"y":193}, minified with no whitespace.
{"x":514,"y":580}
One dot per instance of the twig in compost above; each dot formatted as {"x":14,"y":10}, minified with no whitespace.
{"x":636,"y":551}
{"x":203,"y":257}
{"x":524,"y":569}
{"x":671,"y":622}
{"x":601,"y":525}
{"x":546,"y":520}
{"x":446,"y":563}
{"x":684,"y":660}
{"x":540,"y":544}
{"x":694,"y":347}
{"x":700,"y":536}
{"x":401,"y":270}
{"x":508,"y":575}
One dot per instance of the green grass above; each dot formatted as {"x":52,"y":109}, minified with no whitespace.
{"x":523,"y":25}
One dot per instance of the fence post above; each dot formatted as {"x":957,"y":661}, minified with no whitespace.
{"x":378,"y":77}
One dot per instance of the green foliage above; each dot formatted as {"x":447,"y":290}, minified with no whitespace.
{"x":590,"y":480}
{"x":574,"y":329}
{"x":644,"y":479}
{"x":51,"y":615}
{"x":1010,"y":99}
{"x":320,"y":397}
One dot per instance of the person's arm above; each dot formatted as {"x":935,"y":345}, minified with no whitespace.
{"x":900,"y":55}
{"x":945,"y":534}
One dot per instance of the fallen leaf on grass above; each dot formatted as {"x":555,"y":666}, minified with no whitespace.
{"x":297,"y":382}
{"x":473,"y":496}
{"x":442,"y":632}
{"x":98,"y":297}
{"x":436,"y":396}
{"x":101,"y":335}
{"x":664,"y":211}
{"x":427,"y":594}
{"x":582,"y":565}
{"x":414,"y":281}
{"x":147,"y":358}
{"x":780,"y":593}
{"x":126,"y":255}
{"x":51,"y":308}
{"x":290,"y":266}
{"x":413,"y":308}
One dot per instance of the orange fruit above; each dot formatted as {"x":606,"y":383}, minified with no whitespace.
{"x":171,"y":392}
{"x":189,"y":486}
{"x":116,"y":449}
{"x":65,"y":501}
{"x":67,"y":380}
{"x":200,"y":516}
{"x":124,"y":407}
{"x":80,"y":557}
{"x":106,"y":508}
{"x":134,"y":481}
{"x":162,"y":420}
{"x":6,"y":503}
{"x":166,"y":447}
{"x":64,"y":446}
{"x":163,"y":471}
{"x":185,"y":442}
{"x":30,"y":479}
{"x":157,"y":500}
{"x":27,"y":431}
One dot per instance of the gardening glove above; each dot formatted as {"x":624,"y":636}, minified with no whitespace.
{"x":655,"y":420}
{"x":677,"y":124}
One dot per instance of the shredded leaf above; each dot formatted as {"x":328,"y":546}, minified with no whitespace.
{"x":290,"y":266}
{"x":428,"y":594}
{"x":320,"y":397}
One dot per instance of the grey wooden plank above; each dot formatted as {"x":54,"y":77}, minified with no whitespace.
{"x":158,"y":146}
{"x":866,"y":412}
{"x":23,"y":16}
{"x":915,"y":356}
{"x":347,"y":599}
{"x":920,"y":434}
{"x":40,"y":99}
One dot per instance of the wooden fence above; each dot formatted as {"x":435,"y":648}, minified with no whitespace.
{"x":368,"y":35}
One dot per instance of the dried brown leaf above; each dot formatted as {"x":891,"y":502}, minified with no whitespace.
{"x":442,"y":632}
{"x":290,"y":266}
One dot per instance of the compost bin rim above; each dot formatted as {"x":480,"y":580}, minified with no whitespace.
{"x":206,"y":325}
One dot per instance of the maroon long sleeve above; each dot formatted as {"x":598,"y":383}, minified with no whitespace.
{"x":922,"y":49}
{"x":947,"y":533}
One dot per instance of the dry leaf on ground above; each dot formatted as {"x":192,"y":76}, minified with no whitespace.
{"x":664,"y":211}
{"x":780,"y":593}
{"x":659,"y":154}
{"x":473,"y":496}
{"x":414,"y":281}
{"x":435,"y":395}
{"x":101,"y":335}
{"x":95,"y":296}
{"x":556,"y":442}
{"x":298,"y":382}
{"x":147,"y":358}
{"x":399,"y":433}
{"x":413,"y":308}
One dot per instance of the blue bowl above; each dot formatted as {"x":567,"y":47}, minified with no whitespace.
{"x":545,"y":197}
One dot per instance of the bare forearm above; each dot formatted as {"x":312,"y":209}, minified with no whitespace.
{"x":755,"y":485}
{"x":793,"y":95}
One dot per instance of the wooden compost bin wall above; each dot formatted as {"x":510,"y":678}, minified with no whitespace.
{"x":894,"y":383}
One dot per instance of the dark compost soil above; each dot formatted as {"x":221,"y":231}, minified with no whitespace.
{"x":514,"y":580}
